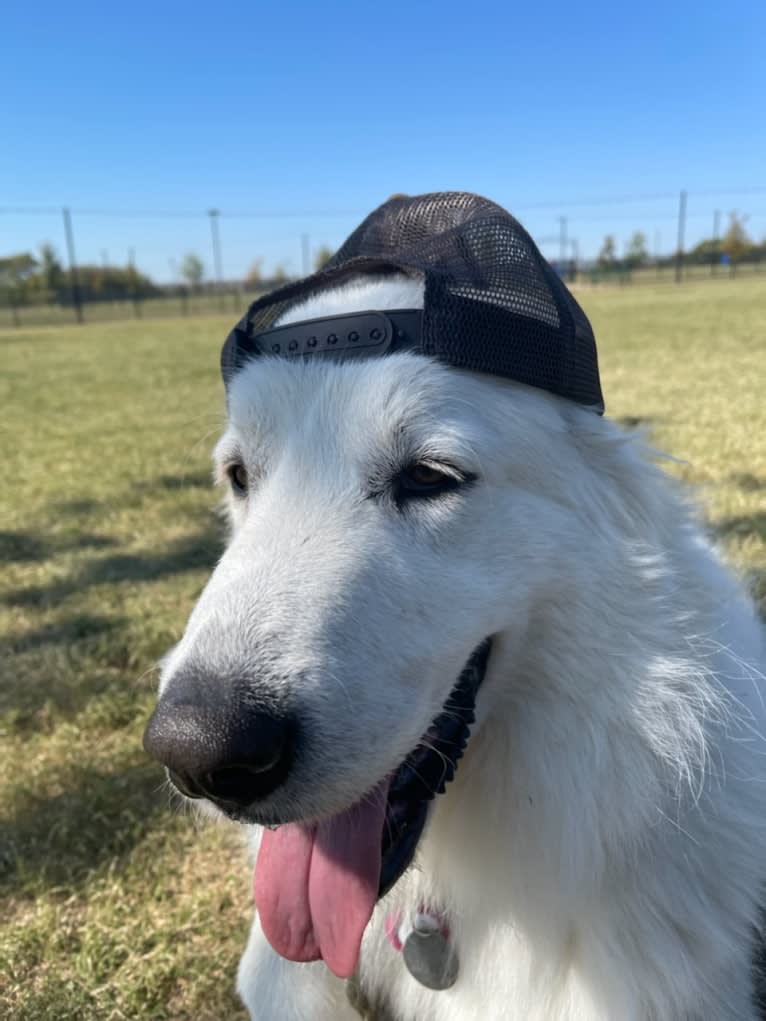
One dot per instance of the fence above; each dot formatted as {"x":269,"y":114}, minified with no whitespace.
{"x":231,"y":300}
{"x":38,"y":289}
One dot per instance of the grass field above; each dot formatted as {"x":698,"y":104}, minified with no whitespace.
{"x":111,"y":905}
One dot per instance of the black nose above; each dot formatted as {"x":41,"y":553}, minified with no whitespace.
{"x":234,"y":756}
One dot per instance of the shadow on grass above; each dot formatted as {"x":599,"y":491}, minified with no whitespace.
{"x":202,"y":479}
{"x":743,"y":526}
{"x":72,"y":629}
{"x":162,"y":483}
{"x":188,"y":480}
{"x":90,"y":659}
{"x":188,"y":554}
{"x":29,"y":547}
{"x":100,"y":666}
{"x":75,"y":507}
{"x":61,"y":840}
{"x":749,"y":482}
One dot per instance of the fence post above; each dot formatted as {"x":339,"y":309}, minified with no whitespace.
{"x":134,"y":283}
{"x":681,"y":232}
{"x":74,"y":281}
{"x":216,"y":239}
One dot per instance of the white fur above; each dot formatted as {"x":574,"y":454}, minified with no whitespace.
{"x":601,"y":851}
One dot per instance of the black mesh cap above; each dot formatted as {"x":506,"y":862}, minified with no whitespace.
{"x":492,"y":302}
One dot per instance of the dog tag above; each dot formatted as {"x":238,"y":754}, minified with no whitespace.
{"x":429,"y":957}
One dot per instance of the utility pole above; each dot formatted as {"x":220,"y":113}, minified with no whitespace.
{"x":214,"y":214}
{"x":134,"y":282}
{"x":74,"y":280}
{"x":105,"y":267}
{"x":681,"y":233}
{"x":563,"y":242}
{"x":716,"y":255}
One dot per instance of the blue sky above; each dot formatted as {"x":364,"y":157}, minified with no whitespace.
{"x":306,"y":116}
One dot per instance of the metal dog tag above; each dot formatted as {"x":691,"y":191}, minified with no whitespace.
{"x":429,"y":957}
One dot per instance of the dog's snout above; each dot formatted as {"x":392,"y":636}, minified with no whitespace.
{"x":234,"y":756}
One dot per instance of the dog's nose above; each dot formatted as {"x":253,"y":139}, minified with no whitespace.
{"x":233,"y":756}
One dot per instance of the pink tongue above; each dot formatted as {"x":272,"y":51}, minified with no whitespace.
{"x":316,"y":887}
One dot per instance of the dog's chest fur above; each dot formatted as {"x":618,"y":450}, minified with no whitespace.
{"x":376,"y":1008}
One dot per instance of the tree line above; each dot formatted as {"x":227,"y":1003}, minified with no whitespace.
{"x":27,"y":279}
{"x":37,"y":279}
{"x":733,"y":247}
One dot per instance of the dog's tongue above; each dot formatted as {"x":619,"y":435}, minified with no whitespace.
{"x":316,"y":887}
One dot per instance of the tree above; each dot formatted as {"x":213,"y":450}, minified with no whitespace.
{"x":50,"y":267}
{"x":17,"y":275}
{"x":116,"y":283}
{"x":193,"y":269}
{"x":707,"y":251}
{"x":27,"y":280}
{"x":254,"y":276}
{"x":638,"y":250}
{"x":607,"y":257}
{"x":279,"y":276}
{"x":735,"y":242}
{"x":323,"y":255}
{"x":18,"y":268}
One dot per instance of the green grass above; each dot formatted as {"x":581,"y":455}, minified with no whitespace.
{"x":112,"y":905}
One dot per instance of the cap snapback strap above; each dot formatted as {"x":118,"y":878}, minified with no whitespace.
{"x":356,"y":334}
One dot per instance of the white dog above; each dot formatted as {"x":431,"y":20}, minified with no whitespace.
{"x":600,"y":852}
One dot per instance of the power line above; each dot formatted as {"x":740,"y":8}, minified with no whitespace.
{"x":757,"y":190}
{"x":282,"y":214}
{"x":176,"y":214}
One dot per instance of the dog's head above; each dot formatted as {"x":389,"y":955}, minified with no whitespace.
{"x":387,"y":516}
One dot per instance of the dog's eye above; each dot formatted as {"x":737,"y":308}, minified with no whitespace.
{"x":424,"y":476}
{"x":238,"y":477}
{"x":422,"y":481}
